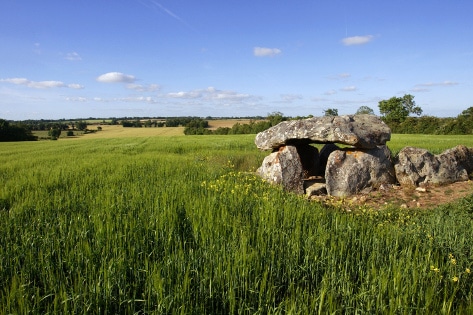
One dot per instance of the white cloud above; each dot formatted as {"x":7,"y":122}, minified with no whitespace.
{"x":330,"y":92}
{"x":143,"y":88}
{"x":357,"y":40}
{"x":41,"y":84}
{"x":115,"y":77}
{"x":266,"y":52}
{"x":73,"y":56}
{"x":349,"y":88}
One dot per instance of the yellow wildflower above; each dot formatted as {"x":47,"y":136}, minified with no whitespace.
{"x":433,"y":268}
{"x":467,"y":270}
{"x":455,"y":279}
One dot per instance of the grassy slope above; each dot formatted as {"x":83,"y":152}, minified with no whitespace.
{"x":171,"y":224}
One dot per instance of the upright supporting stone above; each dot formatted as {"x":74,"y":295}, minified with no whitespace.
{"x":350,"y":171}
{"x":284,"y":167}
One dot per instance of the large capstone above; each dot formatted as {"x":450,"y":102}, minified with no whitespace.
{"x":360,"y":131}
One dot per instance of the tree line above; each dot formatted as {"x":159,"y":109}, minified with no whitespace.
{"x":397,"y":112}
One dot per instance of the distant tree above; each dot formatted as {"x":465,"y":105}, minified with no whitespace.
{"x":397,"y":109}
{"x":331,"y":112}
{"x":365,"y":110}
{"x":148,"y":123}
{"x":275,"y":118}
{"x":81,"y":125}
{"x":54,"y":133}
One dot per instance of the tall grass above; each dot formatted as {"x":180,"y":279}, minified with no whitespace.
{"x":177,"y":225}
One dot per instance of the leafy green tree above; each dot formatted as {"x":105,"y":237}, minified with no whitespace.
{"x":81,"y":125}
{"x":54,"y":133}
{"x":275,"y":118}
{"x":365,"y":110}
{"x":397,"y":109}
{"x":331,"y":112}
{"x":15,"y":132}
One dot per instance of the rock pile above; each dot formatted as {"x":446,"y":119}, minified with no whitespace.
{"x":363,"y":163}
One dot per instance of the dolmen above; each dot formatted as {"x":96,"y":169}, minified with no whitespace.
{"x":354,"y":158}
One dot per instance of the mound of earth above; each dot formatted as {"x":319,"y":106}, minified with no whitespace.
{"x":421,"y":197}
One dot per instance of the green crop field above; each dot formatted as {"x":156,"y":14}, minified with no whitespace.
{"x":174,"y":224}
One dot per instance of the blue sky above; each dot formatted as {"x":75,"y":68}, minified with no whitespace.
{"x":104,"y":58}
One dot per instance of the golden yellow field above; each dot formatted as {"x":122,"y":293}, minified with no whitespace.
{"x":214,"y":124}
{"x":118,"y":131}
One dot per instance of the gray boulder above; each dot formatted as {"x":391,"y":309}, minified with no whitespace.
{"x":315,"y":188}
{"x":350,"y":171}
{"x":418,"y":167}
{"x":361,"y":131}
{"x":283,"y":167}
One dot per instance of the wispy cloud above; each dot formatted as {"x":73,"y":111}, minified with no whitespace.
{"x":444,"y":83}
{"x":210,"y":94}
{"x":75,"y":86}
{"x":185,"y":95}
{"x":289,"y":98}
{"x":351,"y":88}
{"x":41,"y":84}
{"x":357,"y":40}
{"x":161,"y":8}
{"x":266,"y":52}
{"x":339,"y":76}
{"x":73,"y":56}
{"x":330,"y":92}
{"x":37,"y":48}
{"x":143,"y":88}
{"x":116,"y":77}
{"x":167,"y":11}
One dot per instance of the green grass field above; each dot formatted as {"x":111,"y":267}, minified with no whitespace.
{"x":174,"y":224}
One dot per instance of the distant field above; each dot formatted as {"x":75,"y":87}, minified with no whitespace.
{"x":117,"y":131}
{"x":214,"y":124}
